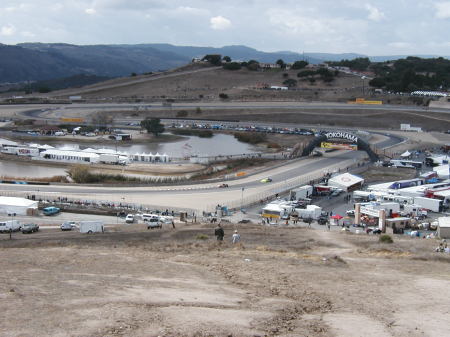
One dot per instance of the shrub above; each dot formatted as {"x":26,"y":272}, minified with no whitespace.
{"x":386,"y":239}
{"x":223,"y":95}
{"x":202,"y":237}
{"x":232,"y":66}
{"x":182,"y":113}
{"x":251,"y":138}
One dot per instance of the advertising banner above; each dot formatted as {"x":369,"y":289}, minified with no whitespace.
{"x":339,"y":146}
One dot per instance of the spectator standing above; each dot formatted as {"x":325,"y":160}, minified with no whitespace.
{"x":236,"y":237}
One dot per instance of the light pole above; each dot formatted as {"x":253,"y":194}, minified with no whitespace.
{"x":363,"y":78}
{"x":12,"y":215}
{"x":242,"y":198}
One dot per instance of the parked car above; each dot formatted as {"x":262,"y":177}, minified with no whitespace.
{"x":350,"y":212}
{"x":29,"y":228}
{"x":129,"y":218}
{"x":51,"y":210}
{"x":154,"y":223}
{"x":266,"y":180}
{"x":67,"y":226}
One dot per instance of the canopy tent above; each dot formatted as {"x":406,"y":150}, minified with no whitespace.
{"x":405,"y":154}
{"x":337,"y":217}
{"x":346,"y":181}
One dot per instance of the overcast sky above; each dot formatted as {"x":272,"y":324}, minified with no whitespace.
{"x":373,"y":27}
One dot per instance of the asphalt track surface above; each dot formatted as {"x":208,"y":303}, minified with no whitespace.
{"x":195,"y":196}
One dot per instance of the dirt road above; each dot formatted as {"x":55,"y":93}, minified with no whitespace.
{"x":277,"y":282}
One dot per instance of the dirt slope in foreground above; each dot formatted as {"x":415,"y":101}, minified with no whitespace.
{"x":278,"y":282}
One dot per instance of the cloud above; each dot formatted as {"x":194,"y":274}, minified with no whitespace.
{"x":220,"y":23}
{"x":442,"y":10}
{"x":134,"y":5}
{"x":399,"y":45}
{"x":374,"y":13}
{"x":8,"y":30}
{"x":316,"y":30}
{"x":90,"y":11}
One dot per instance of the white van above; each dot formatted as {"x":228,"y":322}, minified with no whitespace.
{"x":148,"y":217}
{"x":129,"y":218}
{"x":13,"y":225}
{"x":91,"y":227}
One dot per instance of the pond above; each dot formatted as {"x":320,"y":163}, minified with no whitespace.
{"x":219,"y":144}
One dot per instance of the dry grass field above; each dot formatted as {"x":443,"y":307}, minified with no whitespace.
{"x":193,"y":84}
{"x":277,"y":282}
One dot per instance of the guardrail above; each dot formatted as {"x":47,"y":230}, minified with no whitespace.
{"x":282,"y":187}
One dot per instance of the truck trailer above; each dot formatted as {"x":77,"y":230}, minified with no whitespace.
{"x":90,"y":227}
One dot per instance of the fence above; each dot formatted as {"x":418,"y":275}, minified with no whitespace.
{"x":286,"y":185}
{"x":54,"y":198}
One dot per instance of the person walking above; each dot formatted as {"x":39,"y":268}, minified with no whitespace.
{"x":219,"y":233}
{"x":236,"y":237}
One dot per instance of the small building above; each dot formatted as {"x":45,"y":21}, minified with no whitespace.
{"x":397,"y":225}
{"x":122,"y":136}
{"x":18,"y":206}
{"x":443,"y":229}
{"x":347,"y":182}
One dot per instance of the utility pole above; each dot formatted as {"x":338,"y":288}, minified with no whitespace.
{"x":242,"y":198}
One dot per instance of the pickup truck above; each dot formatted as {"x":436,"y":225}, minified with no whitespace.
{"x":29,"y":228}
{"x":51,"y":210}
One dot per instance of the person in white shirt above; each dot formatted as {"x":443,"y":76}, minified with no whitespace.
{"x":236,"y":237}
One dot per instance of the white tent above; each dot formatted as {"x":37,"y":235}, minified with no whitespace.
{"x":346,"y":181}
{"x":443,"y":171}
{"x":405,"y":154}
{"x":19,"y":206}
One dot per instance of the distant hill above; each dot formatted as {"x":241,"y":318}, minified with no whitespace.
{"x":45,"y":61}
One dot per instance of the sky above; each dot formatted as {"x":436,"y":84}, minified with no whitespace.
{"x":373,"y":27}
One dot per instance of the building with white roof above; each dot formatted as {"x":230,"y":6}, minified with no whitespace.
{"x":18,"y":206}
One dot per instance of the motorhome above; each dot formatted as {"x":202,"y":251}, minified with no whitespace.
{"x":11,"y":225}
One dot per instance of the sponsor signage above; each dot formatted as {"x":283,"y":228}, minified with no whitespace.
{"x":342,"y":135}
{"x":370,"y":211}
{"x":72,"y":120}
{"x":24,"y":151}
{"x":338,"y":146}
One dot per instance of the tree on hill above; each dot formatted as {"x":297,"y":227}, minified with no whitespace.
{"x":226,"y":59}
{"x":214,"y":59}
{"x":152,"y":125}
{"x":412,"y":73}
{"x":290,"y":83}
{"x":359,"y":63}
{"x":299,"y":65}
{"x":281,"y":63}
{"x":252,"y":65}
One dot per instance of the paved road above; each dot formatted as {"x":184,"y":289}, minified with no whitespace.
{"x":202,"y":196}
{"x":56,"y":111}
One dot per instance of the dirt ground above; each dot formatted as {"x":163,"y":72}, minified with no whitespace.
{"x":276,"y":282}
